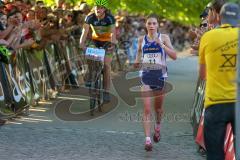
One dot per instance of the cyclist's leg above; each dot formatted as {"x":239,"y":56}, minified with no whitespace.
{"x":107,"y":74}
{"x":89,"y":78}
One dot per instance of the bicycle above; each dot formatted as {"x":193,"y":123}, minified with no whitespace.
{"x":95,"y":61}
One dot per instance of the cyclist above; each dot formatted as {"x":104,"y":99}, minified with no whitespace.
{"x":102,"y":24}
{"x":153,"y":47}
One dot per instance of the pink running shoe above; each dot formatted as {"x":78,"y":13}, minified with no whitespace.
{"x":148,"y":146}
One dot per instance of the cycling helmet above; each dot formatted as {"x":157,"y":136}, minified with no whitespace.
{"x":4,"y":54}
{"x":103,"y":3}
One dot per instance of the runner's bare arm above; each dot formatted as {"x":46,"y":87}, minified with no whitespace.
{"x":202,"y":61}
{"x":202,"y":71}
{"x":167,"y":45}
{"x":85,"y":31}
{"x":139,"y":51}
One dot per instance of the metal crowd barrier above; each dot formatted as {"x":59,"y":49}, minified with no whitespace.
{"x":198,"y":105}
{"x":35,"y":75}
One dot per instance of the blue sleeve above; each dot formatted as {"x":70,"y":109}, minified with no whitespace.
{"x":88,"y":19}
{"x":111,"y":19}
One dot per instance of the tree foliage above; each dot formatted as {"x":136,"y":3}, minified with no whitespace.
{"x":182,"y":11}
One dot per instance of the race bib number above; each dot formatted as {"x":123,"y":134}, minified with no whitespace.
{"x":95,"y":54}
{"x":152,"y":61}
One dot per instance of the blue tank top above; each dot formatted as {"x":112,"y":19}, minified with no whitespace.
{"x":152,"y":53}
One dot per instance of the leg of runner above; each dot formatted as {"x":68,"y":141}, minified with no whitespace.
{"x":158,"y":106}
{"x":147,"y":119}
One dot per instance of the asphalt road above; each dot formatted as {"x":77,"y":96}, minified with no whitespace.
{"x":115,"y":135}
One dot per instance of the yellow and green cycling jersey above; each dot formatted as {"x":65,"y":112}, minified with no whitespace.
{"x":101,"y":28}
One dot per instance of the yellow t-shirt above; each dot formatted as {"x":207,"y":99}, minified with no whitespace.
{"x":218,"y":51}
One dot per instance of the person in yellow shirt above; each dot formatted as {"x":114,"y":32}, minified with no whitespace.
{"x":217,"y":58}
